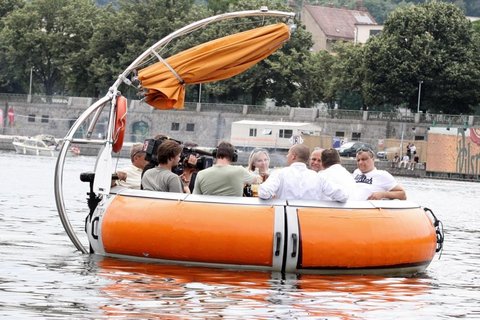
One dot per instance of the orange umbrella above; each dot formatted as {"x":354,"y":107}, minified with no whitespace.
{"x":211,"y":61}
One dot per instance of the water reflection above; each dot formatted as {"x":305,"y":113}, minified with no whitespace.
{"x":43,"y":276}
{"x":140,"y":290}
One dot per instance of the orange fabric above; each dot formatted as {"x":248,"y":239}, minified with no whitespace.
{"x":212,"y":61}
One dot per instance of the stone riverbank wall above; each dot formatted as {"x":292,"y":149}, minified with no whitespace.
{"x":207,"y":124}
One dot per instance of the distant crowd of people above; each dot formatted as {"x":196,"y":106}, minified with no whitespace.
{"x":409,"y":160}
{"x":316,"y":175}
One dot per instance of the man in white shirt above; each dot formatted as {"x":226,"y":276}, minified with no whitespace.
{"x":334,"y":172}
{"x":373,"y":184}
{"x":131,"y":176}
{"x":405,"y":161}
{"x":297,"y":182}
{"x":315,"y":161}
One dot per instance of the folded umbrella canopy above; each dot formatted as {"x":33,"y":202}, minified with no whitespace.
{"x":219,"y":59}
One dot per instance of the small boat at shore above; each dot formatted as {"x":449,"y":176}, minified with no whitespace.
{"x":40,"y":145}
{"x":304,"y":237}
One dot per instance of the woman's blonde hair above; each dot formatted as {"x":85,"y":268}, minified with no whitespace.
{"x":253,"y":157}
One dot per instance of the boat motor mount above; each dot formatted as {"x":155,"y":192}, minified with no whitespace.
{"x":93,"y":200}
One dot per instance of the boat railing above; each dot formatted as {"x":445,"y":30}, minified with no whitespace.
{"x":373,"y":204}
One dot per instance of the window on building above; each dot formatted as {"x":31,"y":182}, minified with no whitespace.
{"x":356,"y":136}
{"x":285,"y":133}
{"x":140,"y":131}
{"x":374,"y":32}
{"x":253,"y":132}
{"x":339,"y":134}
{"x":190,"y":126}
{"x":419,"y":138}
{"x":175,"y":126}
{"x":45,"y":118}
{"x":31,"y":118}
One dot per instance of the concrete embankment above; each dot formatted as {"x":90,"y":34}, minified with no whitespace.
{"x":278,"y":160}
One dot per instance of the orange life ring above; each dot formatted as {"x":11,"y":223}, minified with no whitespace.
{"x":120,"y":123}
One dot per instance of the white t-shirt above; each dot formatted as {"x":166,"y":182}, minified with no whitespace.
{"x":370,"y":182}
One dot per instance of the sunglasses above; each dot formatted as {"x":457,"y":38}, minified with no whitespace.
{"x":365,"y":149}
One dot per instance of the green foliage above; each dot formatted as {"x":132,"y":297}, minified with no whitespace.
{"x":432,"y":43}
{"x":347,"y":76}
{"x":75,"y":47}
{"x":220,"y":6}
{"x":123,"y":34}
{"x":476,"y":27}
{"x":7,"y":6}
{"x":7,"y":83}
{"x":47,"y":35}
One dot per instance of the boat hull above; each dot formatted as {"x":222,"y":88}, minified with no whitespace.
{"x":376,"y":237}
{"x":38,"y":151}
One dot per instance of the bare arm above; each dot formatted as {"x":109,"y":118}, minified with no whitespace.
{"x":121,"y":176}
{"x":396,"y":192}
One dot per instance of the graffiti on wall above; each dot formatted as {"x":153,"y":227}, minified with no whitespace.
{"x":453,"y":150}
{"x":468,"y":155}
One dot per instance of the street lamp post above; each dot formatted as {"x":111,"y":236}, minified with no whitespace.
{"x":419,"y":92}
{"x":30,"y":90}
{"x":200,"y":93}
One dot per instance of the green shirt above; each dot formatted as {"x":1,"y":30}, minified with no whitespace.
{"x":223,"y":180}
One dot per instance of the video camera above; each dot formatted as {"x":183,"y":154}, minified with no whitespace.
{"x":204,"y":159}
{"x":150,"y":146}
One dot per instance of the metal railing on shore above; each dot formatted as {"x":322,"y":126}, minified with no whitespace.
{"x":395,"y":116}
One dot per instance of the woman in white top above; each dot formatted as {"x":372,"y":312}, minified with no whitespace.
{"x":259,"y":163}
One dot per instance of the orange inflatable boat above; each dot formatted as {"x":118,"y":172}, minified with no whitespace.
{"x":374,"y":237}
{"x":370,"y":237}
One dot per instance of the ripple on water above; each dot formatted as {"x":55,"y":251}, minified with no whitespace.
{"x":43,"y":276}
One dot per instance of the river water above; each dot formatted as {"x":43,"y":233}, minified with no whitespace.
{"x":42,"y":275}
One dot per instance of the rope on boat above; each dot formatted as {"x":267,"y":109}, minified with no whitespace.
{"x":438,"y":231}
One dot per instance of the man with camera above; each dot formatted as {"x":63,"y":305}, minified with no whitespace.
{"x":150,"y":146}
{"x":192,"y":159}
{"x":161,"y":177}
{"x":222,"y":178}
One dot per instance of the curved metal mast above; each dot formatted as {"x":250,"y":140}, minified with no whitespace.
{"x":104,"y":158}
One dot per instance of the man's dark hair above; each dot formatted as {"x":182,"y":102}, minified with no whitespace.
{"x":225,"y":150}
{"x":330,"y":157}
{"x":167,"y":150}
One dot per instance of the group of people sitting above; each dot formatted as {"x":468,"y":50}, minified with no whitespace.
{"x":409,"y":160}
{"x":308,"y":176}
